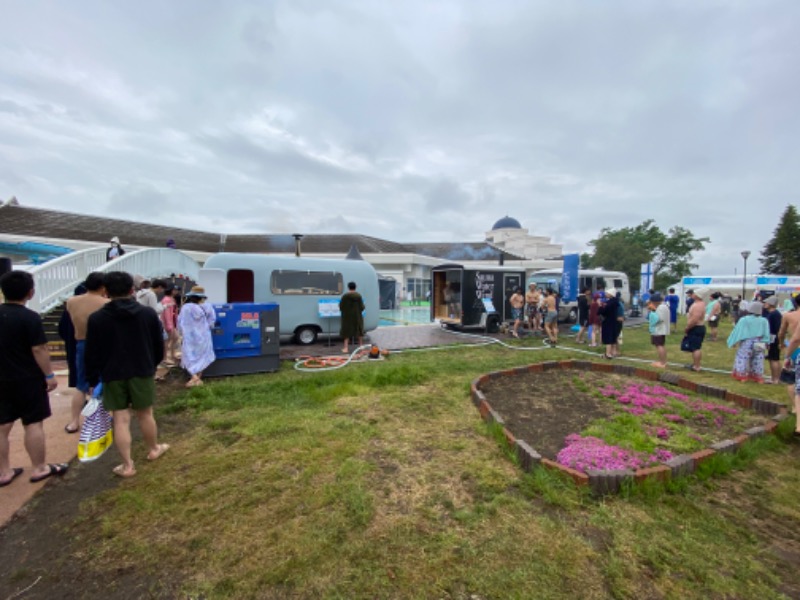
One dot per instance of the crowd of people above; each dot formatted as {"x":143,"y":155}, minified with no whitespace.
{"x":117,"y":330}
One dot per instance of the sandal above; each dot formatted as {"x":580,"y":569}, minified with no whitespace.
{"x":158,"y":452}
{"x":120,"y":471}
{"x":53,"y":469}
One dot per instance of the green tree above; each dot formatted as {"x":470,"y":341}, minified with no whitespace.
{"x":782,"y":252}
{"x":628,"y":248}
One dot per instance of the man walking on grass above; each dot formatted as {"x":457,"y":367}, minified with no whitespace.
{"x":695,"y":331}
{"x":550,"y":318}
{"x":517,"y":302}
{"x":26,"y":378}
{"x":123,"y":347}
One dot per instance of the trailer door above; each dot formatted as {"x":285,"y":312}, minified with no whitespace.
{"x":511,"y":281}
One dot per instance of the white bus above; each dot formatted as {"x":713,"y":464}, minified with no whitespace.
{"x":594,"y":279}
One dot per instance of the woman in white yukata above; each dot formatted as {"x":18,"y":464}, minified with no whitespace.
{"x":195,"y":322}
{"x":752,"y":335}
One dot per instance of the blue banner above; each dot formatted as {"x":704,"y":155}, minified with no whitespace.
{"x":646,"y":281}
{"x":569,"y":278}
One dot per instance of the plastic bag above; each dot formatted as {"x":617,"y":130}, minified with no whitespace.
{"x":97,"y":433}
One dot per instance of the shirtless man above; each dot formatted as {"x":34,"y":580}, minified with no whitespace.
{"x":550,"y":318}
{"x":788,"y":328}
{"x":532,"y":307}
{"x":517,"y":302}
{"x":794,"y":345}
{"x":79,"y":309}
{"x":695,"y":330}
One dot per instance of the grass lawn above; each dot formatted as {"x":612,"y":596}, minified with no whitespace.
{"x":380,"y":481}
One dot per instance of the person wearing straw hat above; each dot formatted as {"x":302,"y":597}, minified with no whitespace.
{"x":195,"y":322}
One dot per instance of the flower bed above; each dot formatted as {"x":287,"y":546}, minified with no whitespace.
{"x":655,"y":430}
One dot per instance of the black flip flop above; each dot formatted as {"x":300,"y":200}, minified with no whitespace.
{"x":53,"y":469}
{"x":17,"y":472}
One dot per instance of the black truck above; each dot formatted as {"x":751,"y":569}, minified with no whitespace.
{"x":473,"y":297}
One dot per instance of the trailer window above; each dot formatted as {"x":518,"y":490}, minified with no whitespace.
{"x":618,"y":284}
{"x":315,"y":283}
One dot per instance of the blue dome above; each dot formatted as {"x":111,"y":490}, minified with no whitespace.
{"x":507,"y":223}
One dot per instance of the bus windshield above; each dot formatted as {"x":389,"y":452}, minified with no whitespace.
{"x":546,"y":282}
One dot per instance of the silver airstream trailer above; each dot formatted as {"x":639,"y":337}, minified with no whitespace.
{"x":306,"y":289}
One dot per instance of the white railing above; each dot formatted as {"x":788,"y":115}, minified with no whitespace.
{"x":56,"y":280}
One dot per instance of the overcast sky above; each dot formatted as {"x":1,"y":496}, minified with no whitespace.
{"x":419,"y":120}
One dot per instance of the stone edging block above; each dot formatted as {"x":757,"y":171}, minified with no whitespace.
{"x":681,"y":465}
{"x":608,"y":482}
{"x":757,"y":431}
{"x":725,"y":446}
{"x":528,"y":457}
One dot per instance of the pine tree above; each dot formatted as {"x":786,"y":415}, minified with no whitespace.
{"x":781,"y":255}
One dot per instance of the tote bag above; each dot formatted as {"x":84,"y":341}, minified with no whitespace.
{"x":97,"y":433}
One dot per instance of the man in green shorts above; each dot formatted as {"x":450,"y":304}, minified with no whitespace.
{"x":123,"y":347}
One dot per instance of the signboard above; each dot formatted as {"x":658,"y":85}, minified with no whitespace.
{"x":328,"y":308}
{"x":484,"y":285}
{"x":569,"y":278}
{"x":699,"y":280}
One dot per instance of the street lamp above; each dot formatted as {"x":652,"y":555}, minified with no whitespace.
{"x":745,"y":256}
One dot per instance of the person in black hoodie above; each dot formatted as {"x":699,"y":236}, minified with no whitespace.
{"x":123,"y":347}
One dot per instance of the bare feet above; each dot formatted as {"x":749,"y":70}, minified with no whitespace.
{"x":121,"y":471}
{"x":158,"y":452}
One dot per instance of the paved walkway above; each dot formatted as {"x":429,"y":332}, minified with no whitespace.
{"x":61,"y":447}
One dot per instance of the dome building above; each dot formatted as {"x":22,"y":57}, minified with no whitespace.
{"x":508,"y":235}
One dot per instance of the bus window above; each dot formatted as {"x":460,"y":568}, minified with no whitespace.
{"x":546,"y":283}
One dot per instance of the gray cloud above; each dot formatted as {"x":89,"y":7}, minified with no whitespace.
{"x":415,"y":122}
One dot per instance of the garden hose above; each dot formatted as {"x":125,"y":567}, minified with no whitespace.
{"x":330,"y":363}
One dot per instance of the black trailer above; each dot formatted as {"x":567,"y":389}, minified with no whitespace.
{"x":473,"y":297}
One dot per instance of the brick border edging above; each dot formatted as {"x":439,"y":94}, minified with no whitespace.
{"x":610,"y":481}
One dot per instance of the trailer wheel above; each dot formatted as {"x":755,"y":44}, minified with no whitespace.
{"x":492,"y":324}
{"x":573,"y":315}
{"x":306,"y":335}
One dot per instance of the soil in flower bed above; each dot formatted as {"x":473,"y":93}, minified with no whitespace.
{"x":544,"y":408}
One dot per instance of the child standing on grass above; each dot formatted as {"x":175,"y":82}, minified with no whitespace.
{"x":658,"y":320}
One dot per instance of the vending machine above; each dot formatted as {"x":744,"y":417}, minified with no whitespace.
{"x":246,"y":339}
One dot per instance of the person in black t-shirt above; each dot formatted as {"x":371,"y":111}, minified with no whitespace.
{"x":26,"y":378}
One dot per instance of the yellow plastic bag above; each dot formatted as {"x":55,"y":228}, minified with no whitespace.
{"x":97,"y":433}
